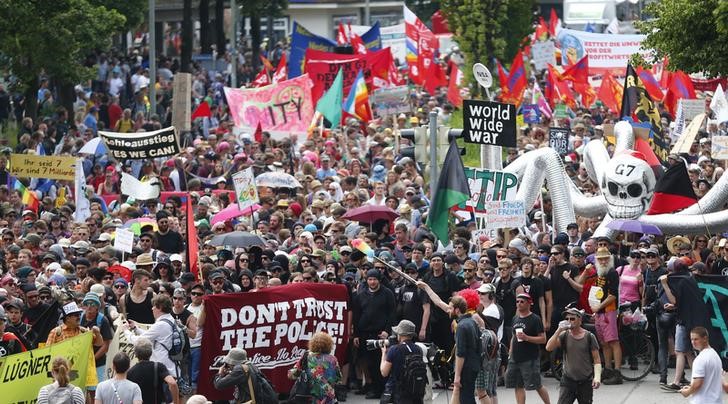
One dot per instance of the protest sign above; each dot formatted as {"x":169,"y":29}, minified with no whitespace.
{"x":141,"y":191}
{"x":691,"y":108}
{"x":543,"y":53}
{"x":390,"y":101}
{"x":607,"y":52}
{"x":121,"y":344}
{"x":560,"y":112}
{"x":143,"y":145}
{"x":302,"y":39}
{"x":245,"y":191}
{"x":489,"y":122}
{"x":182,"y":101}
{"x":322,"y":67}
{"x":51,"y":167}
{"x":719,"y":147}
{"x":22,"y":375}
{"x":83,"y":205}
{"x":393,"y":37}
{"x":274,"y":326}
{"x":501,"y":214}
{"x":281,"y":109}
{"x":685,"y":142}
{"x":124,"y":240}
{"x":488,"y":185}
{"x":559,"y":140}
{"x":531,"y":113}
{"x":482,"y":75}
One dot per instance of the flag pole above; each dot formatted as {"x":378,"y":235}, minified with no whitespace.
{"x":397,"y":270}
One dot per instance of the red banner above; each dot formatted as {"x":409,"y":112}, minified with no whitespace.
{"x":323,"y":66}
{"x":709,"y":84}
{"x":274,"y":327}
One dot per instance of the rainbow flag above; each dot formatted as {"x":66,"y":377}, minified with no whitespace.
{"x":28,"y":196}
{"x":357,"y":103}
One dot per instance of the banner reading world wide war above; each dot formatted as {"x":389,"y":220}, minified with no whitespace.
{"x":141,"y":146}
{"x":22,"y":375}
{"x":273,"y":326}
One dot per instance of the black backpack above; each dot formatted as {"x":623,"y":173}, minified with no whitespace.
{"x":177,"y":347}
{"x":490,"y":346}
{"x":413,"y":380}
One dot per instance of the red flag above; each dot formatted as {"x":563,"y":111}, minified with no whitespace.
{"x":553,"y":22}
{"x":611,"y":93}
{"x":281,"y":73}
{"x":673,"y":191}
{"x":681,"y":87}
{"x":588,"y":95}
{"x":434,"y":78}
{"x":665,"y":76}
{"x":558,"y":90}
{"x":192,"y":241}
{"x":268,"y":65}
{"x":453,"y":89}
{"x":261,"y":79}
{"x":258,"y":135}
{"x":358,"y":44}
{"x":578,"y":72}
{"x":439,"y":23}
{"x":542,"y":30}
{"x":341,"y":38}
{"x":202,"y":110}
{"x":517,"y":81}
{"x":502,"y":80}
{"x":651,"y":85}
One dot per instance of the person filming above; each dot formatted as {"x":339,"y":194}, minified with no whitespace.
{"x":393,"y":363}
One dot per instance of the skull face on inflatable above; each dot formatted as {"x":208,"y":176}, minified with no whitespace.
{"x":628,"y":184}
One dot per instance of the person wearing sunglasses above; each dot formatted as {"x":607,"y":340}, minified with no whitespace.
{"x":582,"y":364}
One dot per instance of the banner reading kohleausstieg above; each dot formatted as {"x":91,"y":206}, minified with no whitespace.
{"x":274,"y":326}
{"x":22,"y":375}
{"x":282,"y":108}
{"x":141,"y":146}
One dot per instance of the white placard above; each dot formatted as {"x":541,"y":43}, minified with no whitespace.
{"x":482,"y":75}
{"x":543,"y":53}
{"x":501,"y":214}
{"x":692,"y":108}
{"x":245,"y":191}
{"x":124,"y":240}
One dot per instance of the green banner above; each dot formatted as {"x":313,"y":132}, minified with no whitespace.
{"x":23,"y":375}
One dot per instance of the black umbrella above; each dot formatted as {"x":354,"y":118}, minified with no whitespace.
{"x":237,"y":239}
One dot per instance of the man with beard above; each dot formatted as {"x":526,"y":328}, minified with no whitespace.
{"x":505,"y":296}
{"x":602,"y":298}
{"x":470,"y":268}
{"x":564,"y":289}
{"x":168,"y":240}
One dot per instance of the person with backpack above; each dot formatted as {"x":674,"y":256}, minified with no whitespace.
{"x":582,"y":364}
{"x":251,"y":385}
{"x":405,"y":367}
{"x":490,"y":337}
{"x":61,"y":391}
{"x":152,"y":378}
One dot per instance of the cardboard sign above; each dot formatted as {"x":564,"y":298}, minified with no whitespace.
{"x":52,"y":167}
{"x":543,"y":53}
{"x":691,"y":108}
{"x":124,"y":240}
{"x":685,"y":141}
{"x":489,"y":122}
{"x":141,"y":146}
{"x":390,"y":101}
{"x":719,"y":147}
{"x":531,"y":113}
{"x":559,"y":140}
{"x":182,"y":102}
{"x":245,"y":191}
{"x":503,"y":214}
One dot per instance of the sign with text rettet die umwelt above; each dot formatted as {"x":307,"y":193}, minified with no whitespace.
{"x":489,"y":122}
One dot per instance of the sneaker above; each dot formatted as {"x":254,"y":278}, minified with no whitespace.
{"x":372,"y":395}
{"x":671,"y":387}
{"x":663,"y":382}
{"x":684,"y":382}
{"x":613,"y":379}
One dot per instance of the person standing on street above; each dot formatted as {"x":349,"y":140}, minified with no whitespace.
{"x":393,"y":364}
{"x":523,"y":371}
{"x":582,"y":364}
{"x":706,"y":386}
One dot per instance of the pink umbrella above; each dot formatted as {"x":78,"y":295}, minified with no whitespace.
{"x":232,"y":211}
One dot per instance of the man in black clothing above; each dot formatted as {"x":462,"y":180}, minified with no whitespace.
{"x":527,"y":283}
{"x":373,"y":311}
{"x":444,"y":284}
{"x":151,"y":376}
{"x":564,"y":287}
{"x":468,"y":349}
{"x":505,"y":296}
{"x":168,"y":241}
{"x":413,"y":304}
{"x":393,"y":360}
{"x":523,"y":364}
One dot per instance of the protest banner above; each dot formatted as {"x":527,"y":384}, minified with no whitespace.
{"x":543,"y":53}
{"x":559,"y":140}
{"x":607,"y":52}
{"x":691,"y":108}
{"x":489,"y":122}
{"x":502,"y":214}
{"x":83,"y":205}
{"x":274,"y":326}
{"x":560,"y":112}
{"x":143,"y":145}
{"x":245,"y":191}
{"x":322,"y":67}
{"x":487,"y":185}
{"x":719,"y":147}
{"x":51,"y":167}
{"x":22,"y":375}
{"x":141,"y":191}
{"x":390,"y":101}
{"x":281,"y":109}
{"x":531,"y":113}
{"x":393,"y":37}
{"x":120,"y":344}
{"x":182,"y":101}
{"x":124,"y":240}
{"x":302,"y":39}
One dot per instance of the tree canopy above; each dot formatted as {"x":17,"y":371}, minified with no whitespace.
{"x":692,"y":34}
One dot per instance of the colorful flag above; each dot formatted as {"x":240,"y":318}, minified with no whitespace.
{"x":578,"y":72}
{"x":258,"y":135}
{"x":542,"y":30}
{"x":30,"y":200}
{"x":588,"y":95}
{"x":281,"y":73}
{"x":665,"y":75}
{"x":681,"y":87}
{"x":502,"y":80}
{"x":554,"y":23}
{"x":673,"y":191}
{"x":435,"y":78}
{"x":453,"y":89}
{"x":651,"y":85}
{"x":261,"y":80}
{"x":421,"y":46}
{"x":558,"y":90}
{"x":452,"y":190}
{"x":540,"y":100}
{"x":358,"y":44}
{"x":439,"y":23}
{"x":330,"y":103}
{"x":192,"y":242}
{"x":268,"y":65}
{"x":611,"y":93}
{"x":636,"y":102}
{"x":202,"y":111}
{"x":341,"y":38}
{"x":357,"y":103}
{"x":517,"y":81}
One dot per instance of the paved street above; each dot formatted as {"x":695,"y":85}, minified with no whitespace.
{"x":646,"y":391}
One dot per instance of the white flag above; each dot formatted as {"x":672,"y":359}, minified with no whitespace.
{"x":679,"y":122}
{"x":719,"y":105}
{"x":141,"y":191}
{"x":83,"y":206}
{"x":613,"y":27}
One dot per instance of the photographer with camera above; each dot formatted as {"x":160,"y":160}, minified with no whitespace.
{"x":249,"y":382}
{"x":582,"y":364}
{"x":402,"y":362}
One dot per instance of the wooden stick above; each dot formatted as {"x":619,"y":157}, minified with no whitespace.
{"x":397,"y":270}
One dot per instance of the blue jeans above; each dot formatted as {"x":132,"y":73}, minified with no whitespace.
{"x":467,"y":392}
{"x":195,"y":354}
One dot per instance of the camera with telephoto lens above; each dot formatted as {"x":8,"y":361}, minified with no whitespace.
{"x":374,"y":344}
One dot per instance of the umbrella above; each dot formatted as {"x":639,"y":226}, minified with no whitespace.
{"x":277,"y":180}
{"x":370,"y":214}
{"x":93,"y":146}
{"x":233,"y":211}
{"x":634,"y":226}
{"x":135,"y":225}
{"x":237,"y":239}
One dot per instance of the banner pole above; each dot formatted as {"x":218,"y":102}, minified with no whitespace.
{"x":397,"y":270}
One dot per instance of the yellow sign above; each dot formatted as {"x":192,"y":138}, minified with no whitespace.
{"x":52,"y":167}
{"x":22,"y":375}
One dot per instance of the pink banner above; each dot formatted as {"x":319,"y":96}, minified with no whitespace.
{"x":282,"y":108}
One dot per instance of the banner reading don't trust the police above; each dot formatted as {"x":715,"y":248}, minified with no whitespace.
{"x":141,"y":145}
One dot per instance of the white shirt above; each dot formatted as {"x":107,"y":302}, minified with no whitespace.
{"x":160,"y":334}
{"x":708,"y":366}
{"x":492,"y":311}
{"x":115,"y":86}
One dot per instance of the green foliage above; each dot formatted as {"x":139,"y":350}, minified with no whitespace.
{"x":518,"y":24}
{"x":133,"y":10}
{"x":423,"y":8}
{"x":693,"y":34}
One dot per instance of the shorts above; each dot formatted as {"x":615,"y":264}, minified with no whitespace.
{"x":100,"y":375}
{"x":488,"y":376}
{"x":682,"y":339}
{"x":524,"y":375}
{"x":606,"y":325}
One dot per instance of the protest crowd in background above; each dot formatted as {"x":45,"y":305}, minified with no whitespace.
{"x":66,"y":269}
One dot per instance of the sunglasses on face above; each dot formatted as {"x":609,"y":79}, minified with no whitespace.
{"x":197,"y":294}
{"x":578,"y":255}
{"x":520,"y":301}
{"x":489,"y":274}
{"x":217,"y":281}
{"x":119,"y":287}
{"x":651,"y":255}
{"x":108,"y":278}
{"x":635,"y":255}
{"x":305,"y":261}
{"x":555,"y":253}
{"x":570,"y":318}
{"x":501,"y":256}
